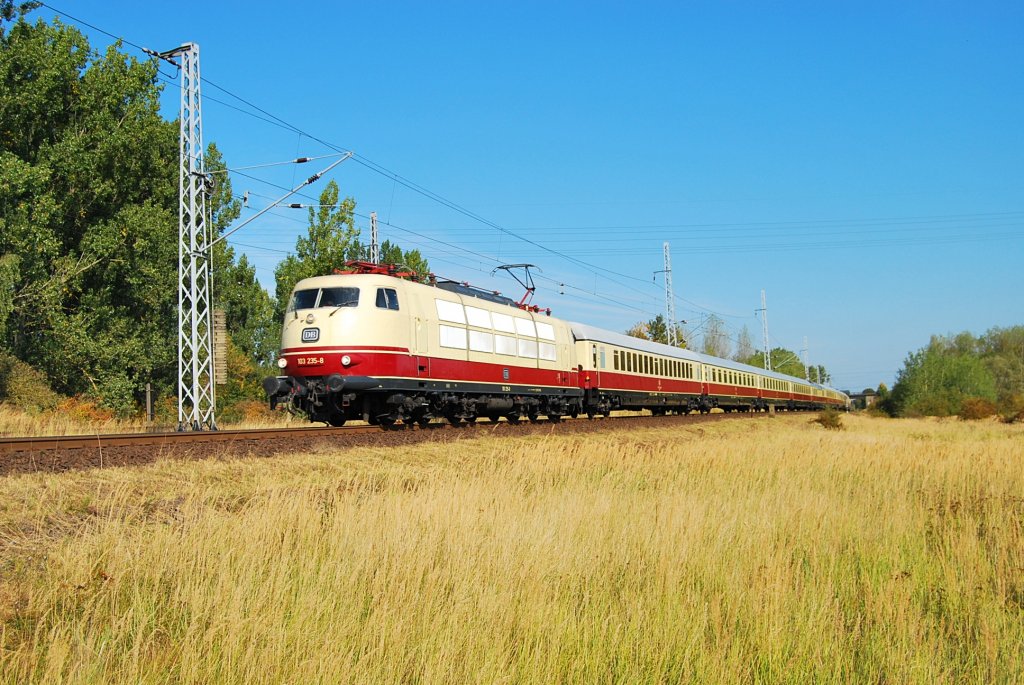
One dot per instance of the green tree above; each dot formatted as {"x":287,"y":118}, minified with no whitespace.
{"x":935,"y":380}
{"x":8,"y":279}
{"x":89,"y":171}
{"x":657,"y":330}
{"x":783,"y":361}
{"x":391,"y":253}
{"x":248,"y":308}
{"x":331,"y":240}
{"x":1002,"y":349}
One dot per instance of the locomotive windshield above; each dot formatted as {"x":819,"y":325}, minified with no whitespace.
{"x":324,"y":297}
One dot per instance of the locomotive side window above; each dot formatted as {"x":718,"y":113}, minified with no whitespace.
{"x":453,"y":337}
{"x":546,"y":351}
{"x":525,"y":327}
{"x":545,"y":331}
{"x":527,"y":348}
{"x":387,"y":298}
{"x":450,"y":311}
{"x":504,"y":344}
{"x":481,"y":342}
{"x":503,"y":323}
{"x":480,"y":318}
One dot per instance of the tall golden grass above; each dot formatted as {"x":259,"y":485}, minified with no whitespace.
{"x":79,"y":418}
{"x":762,"y":551}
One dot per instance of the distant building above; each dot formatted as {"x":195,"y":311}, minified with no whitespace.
{"x":863,"y":400}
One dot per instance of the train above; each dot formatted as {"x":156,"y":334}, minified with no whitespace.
{"x":373,"y":343}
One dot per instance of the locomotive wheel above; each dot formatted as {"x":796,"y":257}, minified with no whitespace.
{"x":591,"y":415}
{"x":336,"y":420}
{"x":387,"y":421}
{"x":493,"y":418}
{"x":513,"y":418}
{"x":423,"y":421}
{"x":534,"y":417}
{"x":453,"y":418}
{"x":555,"y":418}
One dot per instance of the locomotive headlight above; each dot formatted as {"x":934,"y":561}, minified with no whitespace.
{"x":310,"y":318}
{"x":282,"y":362}
{"x":346,"y":360}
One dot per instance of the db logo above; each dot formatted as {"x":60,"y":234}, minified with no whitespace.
{"x":310,"y":334}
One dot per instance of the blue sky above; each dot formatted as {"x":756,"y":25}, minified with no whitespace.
{"x":861,"y":162}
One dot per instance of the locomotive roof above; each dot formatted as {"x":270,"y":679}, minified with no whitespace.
{"x":582,"y":331}
{"x":472,"y":291}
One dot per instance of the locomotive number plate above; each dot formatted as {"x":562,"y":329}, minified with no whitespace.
{"x":310,"y":334}
{"x":309,"y":361}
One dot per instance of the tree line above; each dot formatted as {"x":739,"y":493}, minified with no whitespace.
{"x":961,"y":375}
{"x":89,"y":231}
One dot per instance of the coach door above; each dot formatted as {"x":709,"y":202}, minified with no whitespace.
{"x":595,"y":359}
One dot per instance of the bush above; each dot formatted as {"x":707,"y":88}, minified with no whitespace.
{"x":82,"y":410}
{"x":830,"y":419}
{"x":246,"y":412}
{"x":1011,"y":408}
{"x":975,"y":408}
{"x":25,"y":387}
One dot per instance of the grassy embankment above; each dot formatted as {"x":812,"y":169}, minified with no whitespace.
{"x":762,"y":551}
{"x":16,"y":422}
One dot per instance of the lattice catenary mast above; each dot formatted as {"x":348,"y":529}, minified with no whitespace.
{"x":670,"y":299}
{"x":374,"y":239}
{"x":196,"y":398}
{"x":764,"y":326}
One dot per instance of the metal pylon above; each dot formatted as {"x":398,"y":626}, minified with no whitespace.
{"x":196,"y":397}
{"x":670,"y":299}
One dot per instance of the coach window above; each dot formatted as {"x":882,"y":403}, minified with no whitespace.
{"x":602,"y":358}
{"x":387,"y":298}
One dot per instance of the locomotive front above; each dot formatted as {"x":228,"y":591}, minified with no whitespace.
{"x":341,"y":335}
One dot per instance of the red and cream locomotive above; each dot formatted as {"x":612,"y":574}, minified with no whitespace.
{"x":374,"y":345}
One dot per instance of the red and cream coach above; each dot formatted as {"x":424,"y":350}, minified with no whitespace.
{"x":375,"y":345}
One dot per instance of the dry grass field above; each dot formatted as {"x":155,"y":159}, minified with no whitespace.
{"x":768,"y":550}
{"x":19,"y":423}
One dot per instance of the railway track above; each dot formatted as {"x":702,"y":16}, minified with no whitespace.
{"x":72,"y":452}
{"x":109,"y":440}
